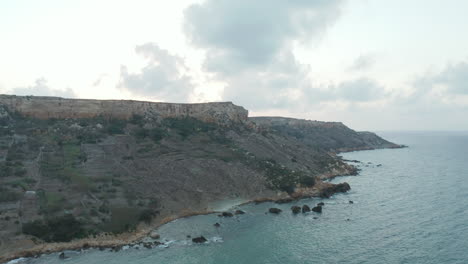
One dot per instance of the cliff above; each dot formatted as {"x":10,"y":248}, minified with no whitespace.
{"x":55,"y":107}
{"x":329,"y":136}
{"x":73,"y":168}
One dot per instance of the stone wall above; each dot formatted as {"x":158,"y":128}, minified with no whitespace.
{"x":223,"y":113}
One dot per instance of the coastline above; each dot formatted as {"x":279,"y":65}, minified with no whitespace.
{"x":115,"y":242}
{"x":321,"y":189}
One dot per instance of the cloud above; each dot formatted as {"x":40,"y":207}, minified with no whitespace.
{"x":40,"y":88}
{"x":243,"y":35}
{"x":363,"y":62}
{"x":249,"y":44}
{"x":162,"y":78}
{"x":454,"y":77}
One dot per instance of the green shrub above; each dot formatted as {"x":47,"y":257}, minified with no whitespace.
{"x":7,"y":195}
{"x":115,"y":126}
{"x":137,"y":119}
{"x":59,"y":229}
{"x":187,"y":126}
{"x":147,"y":215}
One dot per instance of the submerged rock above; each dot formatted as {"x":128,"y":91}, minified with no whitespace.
{"x":275,"y":210}
{"x":295,"y":209}
{"x":239,"y":212}
{"x":321,"y":204}
{"x":305,"y":208}
{"x":217,"y":225}
{"x":351,"y":202}
{"x":200,"y":239}
{"x":226,"y":214}
{"x":317,"y":209}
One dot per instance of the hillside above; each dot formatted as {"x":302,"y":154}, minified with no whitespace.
{"x":77,"y":168}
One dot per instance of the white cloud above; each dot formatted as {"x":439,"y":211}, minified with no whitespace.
{"x":162,"y":78}
{"x":40,"y":88}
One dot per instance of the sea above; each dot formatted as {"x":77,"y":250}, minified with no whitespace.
{"x":409,"y":205}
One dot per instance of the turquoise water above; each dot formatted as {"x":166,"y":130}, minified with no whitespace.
{"x":411,"y":209}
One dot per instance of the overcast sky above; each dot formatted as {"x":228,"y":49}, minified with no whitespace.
{"x":371,"y":64}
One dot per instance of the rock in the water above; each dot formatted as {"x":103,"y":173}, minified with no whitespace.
{"x":62,"y":255}
{"x":200,"y":239}
{"x":116,"y":248}
{"x":317,"y":209}
{"x":154,"y":235}
{"x":217,"y":225}
{"x":295,"y":209}
{"x":148,"y":245}
{"x":305,"y":208}
{"x":275,"y":210}
{"x":239,"y":212}
{"x":321,"y":204}
{"x":226,"y":214}
{"x":351,"y":202}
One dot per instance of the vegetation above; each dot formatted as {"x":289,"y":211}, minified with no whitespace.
{"x":7,"y":195}
{"x":59,"y":229}
{"x":187,"y":126}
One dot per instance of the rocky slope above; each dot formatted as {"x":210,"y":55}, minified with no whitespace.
{"x":78,"y":168}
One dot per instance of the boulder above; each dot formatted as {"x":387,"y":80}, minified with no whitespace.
{"x":62,"y":255}
{"x":321,"y":204}
{"x":200,"y":239}
{"x":305,"y":208}
{"x":317,"y":209}
{"x":351,"y":202}
{"x":275,"y":210}
{"x":239,"y":212}
{"x":295,"y":209}
{"x":154,"y":235}
{"x":217,"y":225}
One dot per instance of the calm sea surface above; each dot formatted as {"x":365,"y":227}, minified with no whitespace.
{"x":413,"y":208}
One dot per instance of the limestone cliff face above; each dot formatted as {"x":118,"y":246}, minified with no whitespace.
{"x":223,"y":113}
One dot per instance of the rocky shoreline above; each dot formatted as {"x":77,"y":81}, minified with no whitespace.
{"x":115,"y":243}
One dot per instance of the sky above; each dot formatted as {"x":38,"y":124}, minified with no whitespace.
{"x":371,"y":64}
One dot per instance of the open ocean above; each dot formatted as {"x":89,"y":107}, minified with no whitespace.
{"x":410,"y":206}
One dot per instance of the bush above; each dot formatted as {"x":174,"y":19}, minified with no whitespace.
{"x":137,"y":120}
{"x":187,"y":126}
{"x":59,"y":229}
{"x":147,"y":215}
{"x":8,"y":195}
{"x":115,"y":126}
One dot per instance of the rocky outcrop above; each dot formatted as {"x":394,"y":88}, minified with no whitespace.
{"x":330,"y":136}
{"x":335,"y":188}
{"x":223,"y":113}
